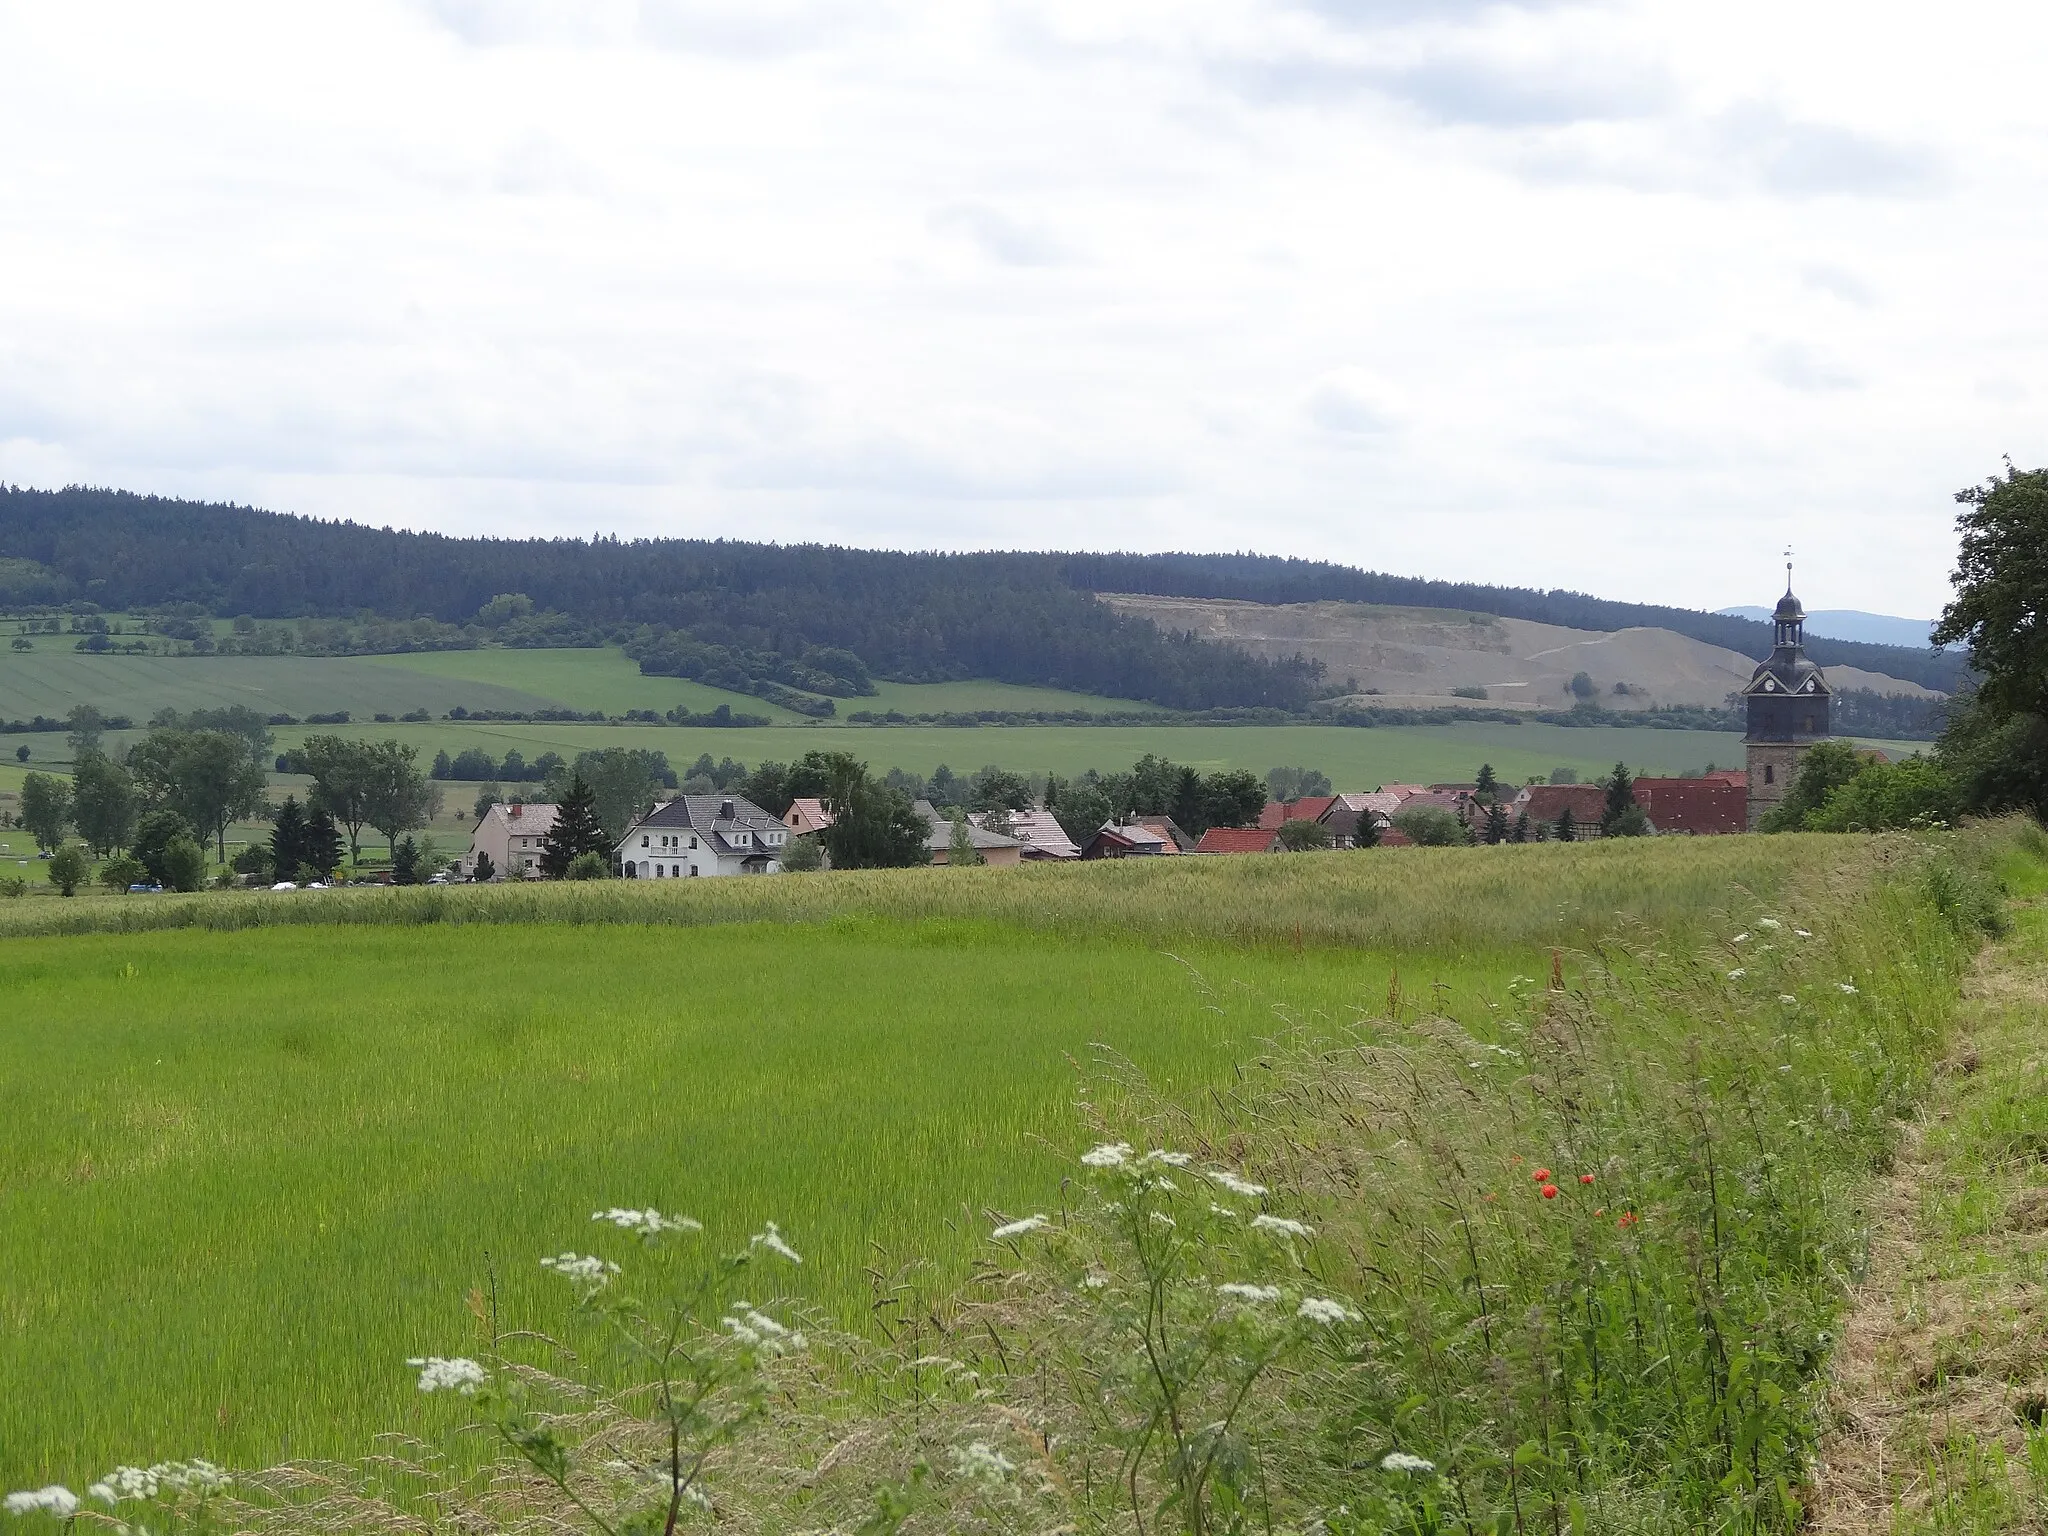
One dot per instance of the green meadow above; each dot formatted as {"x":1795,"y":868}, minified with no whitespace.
{"x":254,"y":1163}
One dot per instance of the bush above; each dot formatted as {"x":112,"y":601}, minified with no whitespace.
{"x":68,"y":869}
{"x":120,"y":873}
{"x":591,"y":865}
{"x":1430,"y":826}
{"x":802,"y":856}
{"x":183,"y":864}
{"x":1299,"y":836}
{"x":255,"y":859}
{"x":12,"y":886}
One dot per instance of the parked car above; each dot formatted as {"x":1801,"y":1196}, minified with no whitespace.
{"x":145,"y":888}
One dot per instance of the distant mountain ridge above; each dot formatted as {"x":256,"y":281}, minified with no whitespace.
{"x":1851,"y":624}
{"x":771,"y":609}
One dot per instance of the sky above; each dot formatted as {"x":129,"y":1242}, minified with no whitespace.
{"x":1622,"y":297}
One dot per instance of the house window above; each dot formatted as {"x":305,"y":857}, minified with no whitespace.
{"x":643,"y":842}
{"x":1770,"y":774}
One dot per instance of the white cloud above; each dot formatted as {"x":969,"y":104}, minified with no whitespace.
{"x":1313,"y":276}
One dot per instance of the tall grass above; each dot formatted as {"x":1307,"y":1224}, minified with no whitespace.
{"x":1398,"y":899}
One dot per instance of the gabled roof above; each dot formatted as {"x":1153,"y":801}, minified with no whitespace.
{"x":1041,"y":834}
{"x":942,"y":831}
{"x":1238,"y":840}
{"x":1308,"y":808}
{"x":1700,"y":806}
{"x":1403,"y":790}
{"x":1169,"y":829}
{"x":532,"y":820}
{"x":728,"y":824}
{"x":1431,"y":800}
{"x":807,"y":815}
{"x":1546,"y":802}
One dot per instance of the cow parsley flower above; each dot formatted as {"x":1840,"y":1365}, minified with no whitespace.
{"x":1164,"y":1220}
{"x":55,"y":1500}
{"x":1245,"y":1292}
{"x":1768,"y":922}
{"x":1237,"y":1186}
{"x":1282,"y":1225}
{"x":759,"y":1331}
{"x":982,"y":1462}
{"x":457,"y":1375}
{"x":147,"y":1482}
{"x":1222,"y":1210}
{"x":1171,"y":1159}
{"x":1804,"y":933}
{"x":1737,"y":974}
{"x":1320,"y":1309}
{"x":1020,"y":1227}
{"x":589,"y":1272}
{"x":1788,"y":999}
{"x":1846,"y":987}
{"x":649,"y":1223}
{"x":1401,"y":1461}
{"x":1111,"y":1154}
{"x":1095,"y":1282}
{"x":1740,"y":938}
{"x":771,"y":1239}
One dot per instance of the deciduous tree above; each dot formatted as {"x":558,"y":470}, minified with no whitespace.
{"x":46,"y":810}
{"x":103,"y":801}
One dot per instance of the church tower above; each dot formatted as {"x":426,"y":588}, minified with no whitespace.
{"x":1787,"y":702}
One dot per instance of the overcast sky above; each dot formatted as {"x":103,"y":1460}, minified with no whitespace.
{"x":1615,"y":296}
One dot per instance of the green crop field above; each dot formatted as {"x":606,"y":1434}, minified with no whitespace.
{"x":1354,"y":759}
{"x":248,"y":1172}
{"x":52,"y":678}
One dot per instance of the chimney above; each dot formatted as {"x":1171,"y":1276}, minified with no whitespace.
{"x":517,"y":810}
{"x":725,"y":810}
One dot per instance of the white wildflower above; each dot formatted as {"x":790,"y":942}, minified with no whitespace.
{"x":1737,"y":974}
{"x":1222,"y":1210}
{"x":982,"y":1462}
{"x":648,"y":1223}
{"x":1768,"y":922}
{"x":1236,"y":1185}
{"x":771,"y":1239}
{"x":1320,"y":1309}
{"x":1788,"y":999}
{"x":760,"y":1331}
{"x":1245,"y":1292}
{"x":1846,"y":987}
{"x":1803,"y":933}
{"x":457,"y":1375}
{"x":55,"y":1499}
{"x":1401,"y":1461}
{"x":1111,"y":1154}
{"x":1163,"y":1219}
{"x":1020,"y":1227}
{"x":147,"y":1482}
{"x":1171,"y":1159}
{"x":588,"y":1271}
{"x":1740,"y":938}
{"x":1095,"y":1282}
{"x":1282,"y":1225}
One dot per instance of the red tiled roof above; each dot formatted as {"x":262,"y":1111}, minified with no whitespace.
{"x":1694,"y":805}
{"x":1394,"y":837}
{"x":1308,"y":808}
{"x":1237,"y":840}
{"x":1546,"y":802}
{"x":1730,"y":776}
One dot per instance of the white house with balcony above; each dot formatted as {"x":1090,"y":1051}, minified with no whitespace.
{"x":699,"y":835}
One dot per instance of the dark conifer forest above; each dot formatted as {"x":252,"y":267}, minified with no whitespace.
{"x":817,"y":618}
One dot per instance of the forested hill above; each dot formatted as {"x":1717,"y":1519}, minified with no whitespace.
{"x":1017,"y":617}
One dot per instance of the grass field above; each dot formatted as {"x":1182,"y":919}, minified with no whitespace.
{"x":52,"y":678}
{"x":249,"y":1171}
{"x":255,"y":1161}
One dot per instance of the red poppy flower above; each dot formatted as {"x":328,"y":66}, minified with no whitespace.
{"x":1585,"y":1178}
{"x":1601,"y":1212}
{"x":1628,"y":1219}
{"x":1540,"y":1175}
{"x":1550,"y":1191}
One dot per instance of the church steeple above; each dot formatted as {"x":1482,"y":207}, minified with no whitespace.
{"x":1790,"y":617}
{"x":1787,"y":705}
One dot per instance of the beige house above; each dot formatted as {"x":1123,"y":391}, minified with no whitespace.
{"x":513,"y":835}
{"x":806,"y":816}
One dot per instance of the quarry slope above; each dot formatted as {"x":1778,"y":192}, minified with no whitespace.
{"x":1419,"y":655}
